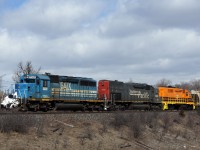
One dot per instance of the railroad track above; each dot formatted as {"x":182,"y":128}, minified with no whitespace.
{"x":16,"y":112}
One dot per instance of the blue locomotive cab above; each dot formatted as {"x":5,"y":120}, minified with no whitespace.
{"x":33,"y":86}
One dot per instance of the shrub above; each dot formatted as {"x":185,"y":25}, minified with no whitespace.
{"x":166,"y":121}
{"x":182,"y":113}
{"x":120,"y":120}
{"x":136,"y":125}
{"x":16,"y":123}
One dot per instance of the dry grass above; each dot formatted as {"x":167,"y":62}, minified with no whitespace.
{"x":119,"y":131}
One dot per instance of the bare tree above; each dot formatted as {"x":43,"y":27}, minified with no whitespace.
{"x":195,"y":84}
{"x":24,"y":69}
{"x":164,"y":82}
{"x":183,"y":85}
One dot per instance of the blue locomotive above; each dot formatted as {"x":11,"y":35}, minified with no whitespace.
{"x":44,"y":91}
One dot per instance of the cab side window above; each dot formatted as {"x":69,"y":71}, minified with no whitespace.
{"x":45,"y":83}
{"x":38,"y":82}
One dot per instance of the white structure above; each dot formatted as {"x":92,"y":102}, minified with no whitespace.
{"x":10,"y":102}
{"x":196,"y":97}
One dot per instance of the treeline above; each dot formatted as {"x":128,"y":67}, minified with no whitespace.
{"x":191,"y":85}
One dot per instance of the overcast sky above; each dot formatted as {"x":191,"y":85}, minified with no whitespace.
{"x":141,"y":40}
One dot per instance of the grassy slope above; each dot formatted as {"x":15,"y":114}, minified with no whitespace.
{"x":128,"y":131}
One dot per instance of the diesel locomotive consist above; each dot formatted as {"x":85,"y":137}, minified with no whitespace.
{"x":47,"y":91}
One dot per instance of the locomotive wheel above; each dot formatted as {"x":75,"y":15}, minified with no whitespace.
{"x":45,"y":109}
{"x":182,"y":107}
{"x":35,"y":109}
{"x":84,"y":108}
{"x":100,"y":108}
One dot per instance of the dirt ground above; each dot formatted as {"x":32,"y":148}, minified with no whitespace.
{"x":138,"y":131}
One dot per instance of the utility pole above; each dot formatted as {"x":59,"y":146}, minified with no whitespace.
{"x":1,"y":80}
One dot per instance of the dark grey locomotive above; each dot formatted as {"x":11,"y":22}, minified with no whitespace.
{"x":129,"y":95}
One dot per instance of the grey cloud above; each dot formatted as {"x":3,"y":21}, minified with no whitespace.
{"x":133,"y":17}
{"x":177,"y":13}
{"x":78,"y":38}
{"x":54,"y":18}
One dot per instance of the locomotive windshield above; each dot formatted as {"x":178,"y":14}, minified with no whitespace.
{"x":29,"y":80}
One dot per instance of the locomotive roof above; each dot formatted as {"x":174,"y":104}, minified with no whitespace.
{"x":60,"y":77}
{"x":43,"y":77}
{"x":79,"y":78}
{"x":131,"y":83}
{"x":57,"y":78}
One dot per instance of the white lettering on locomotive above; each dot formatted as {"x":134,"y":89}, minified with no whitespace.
{"x":29,"y":77}
{"x":139,"y":94}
